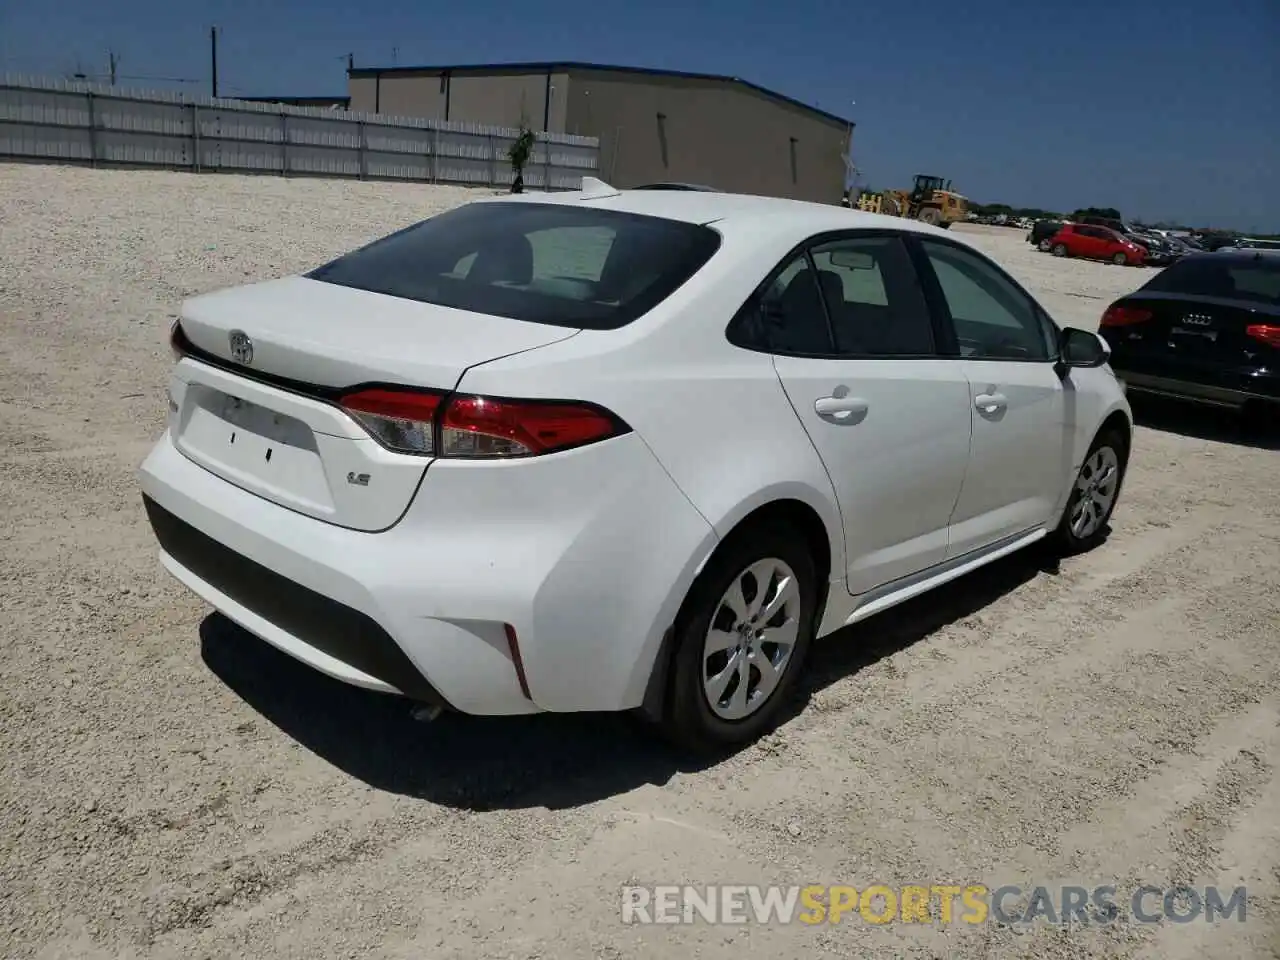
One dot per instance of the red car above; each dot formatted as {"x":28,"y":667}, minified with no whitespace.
{"x":1096,"y":243}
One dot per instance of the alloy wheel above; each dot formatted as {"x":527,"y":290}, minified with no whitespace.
{"x":752,"y":636}
{"x":1096,"y":488}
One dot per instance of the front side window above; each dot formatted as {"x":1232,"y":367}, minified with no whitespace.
{"x":873,"y":298}
{"x":993,"y":319}
{"x":558,"y":264}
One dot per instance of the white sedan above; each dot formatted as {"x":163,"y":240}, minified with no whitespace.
{"x":619,"y":450}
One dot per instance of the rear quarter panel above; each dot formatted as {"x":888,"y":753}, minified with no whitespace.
{"x":714,"y":415}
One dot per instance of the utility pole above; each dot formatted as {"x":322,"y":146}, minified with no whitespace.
{"x":113,"y":62}
{"x":213,"y":53}
{"x":351,"y":62}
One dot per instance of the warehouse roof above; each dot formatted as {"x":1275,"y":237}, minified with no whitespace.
{"x":571,"y":65}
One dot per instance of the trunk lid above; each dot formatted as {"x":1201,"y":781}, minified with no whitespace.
{"x":334,"y":336}
{"x":1196,"y":330}
{"x":268,"y":421}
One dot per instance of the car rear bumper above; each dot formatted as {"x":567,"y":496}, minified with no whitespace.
{"x":586,"y":555}
{"x":1226,"y":390}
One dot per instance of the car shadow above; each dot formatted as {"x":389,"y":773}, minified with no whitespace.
{"x":545,"y":760}
{"x":473,"y":763}
{"x":848,"y":650}
{"x":1259,"y":428}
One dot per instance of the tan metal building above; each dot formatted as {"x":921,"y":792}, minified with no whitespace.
{"x":653,"y":125}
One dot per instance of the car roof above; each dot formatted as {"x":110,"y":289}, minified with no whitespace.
{"x":1227,"y":255}
{"x":735,"y":211}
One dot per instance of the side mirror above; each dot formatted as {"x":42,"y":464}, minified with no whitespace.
{"x":1082,"y":348}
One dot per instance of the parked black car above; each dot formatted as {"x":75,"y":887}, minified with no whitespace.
{"x":1206,"y":329}
{"x":1216,"y":241}
{"x":1160,"y":251}
{"x":1042,"y":230}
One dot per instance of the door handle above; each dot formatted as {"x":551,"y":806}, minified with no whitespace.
{"x":841,"y":409}
{"x":990,"y":403}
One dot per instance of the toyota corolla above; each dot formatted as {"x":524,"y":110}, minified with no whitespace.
{"x":620,"y":450}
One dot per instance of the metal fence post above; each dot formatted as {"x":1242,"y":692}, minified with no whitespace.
{"x":284,"y":143}
{"x":435,"y":154}
{"x":362,"y":159}
{"x":93,"y":130}
{"x":546,"y":165}
{"x":493,"y":161}
{"x":195,"y":137}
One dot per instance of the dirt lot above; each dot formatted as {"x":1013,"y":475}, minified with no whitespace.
{"x":172,"y":787}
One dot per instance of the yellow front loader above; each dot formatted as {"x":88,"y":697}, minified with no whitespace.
{"x":930,"y":200}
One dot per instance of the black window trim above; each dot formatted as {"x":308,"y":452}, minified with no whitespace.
{"x":938,"y":301}
{"x":945,"y":346}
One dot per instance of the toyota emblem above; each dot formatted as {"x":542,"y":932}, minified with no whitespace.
{"x":241,"y":347}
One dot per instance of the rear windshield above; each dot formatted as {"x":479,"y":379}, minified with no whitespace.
{"x":1223,"y":276}
{"x":569,"y":266}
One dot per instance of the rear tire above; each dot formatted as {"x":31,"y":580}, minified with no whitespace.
{"x":930,"y":215}
{"x":1094,"y":493}
{"x":1060,"y":250}
{"x":1119,"y":259}
{"x":711,"y":702}
{"x":1044,"y":246}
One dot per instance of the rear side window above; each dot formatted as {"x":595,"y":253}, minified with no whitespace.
{"x":873,"y":298}
{"x":569,"y":266}
{"x":1223,"y":276}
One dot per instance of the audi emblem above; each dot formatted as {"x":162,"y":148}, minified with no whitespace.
{"x":241,"y":347}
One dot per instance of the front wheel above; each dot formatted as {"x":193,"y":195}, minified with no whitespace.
{"x":1044,"y":246}
{"x":740,"y":640}
{"x":930,"y":215}
{"x":1093,"y":495}
{"x":1060,"y":250}
{"x":1119,"y":259}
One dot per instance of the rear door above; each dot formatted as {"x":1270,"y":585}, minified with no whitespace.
{"x":1091,"y":241}
{"x":1020,"y":454}
{"x":856,"y":351}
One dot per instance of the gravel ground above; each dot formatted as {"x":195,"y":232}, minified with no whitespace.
{"x":170,"y":786}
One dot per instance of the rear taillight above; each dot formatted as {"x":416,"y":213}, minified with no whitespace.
{"x":400,"y":420}
{"x":465,"y":426}
{"x":1117,"y":316}
{"x":1268,"y":333}
{"x":485,"y":427}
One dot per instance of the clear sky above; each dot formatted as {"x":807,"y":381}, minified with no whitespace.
{"x":1162,"y":108}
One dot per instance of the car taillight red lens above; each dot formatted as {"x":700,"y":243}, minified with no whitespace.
{"x":1125,"y":316}
{"x":467,"y":426}
{"x":485,"y":427}
{"x":1268,"y":333}
{"x":400,"y":420}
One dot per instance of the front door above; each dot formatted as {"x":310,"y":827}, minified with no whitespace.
{"x":1021,"y":450}
{"x":887,"y":414}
